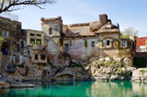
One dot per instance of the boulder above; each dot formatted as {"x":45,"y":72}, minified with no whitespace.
{"x":131,"y":69}
{"x":94,"y":69}
{"x":127,"y":62}
{"x":102,"y":77}
{"x":118,"y":59}
{"x":139,"y":75}
{"x":114,"y":77}
{"x":107,"y":59}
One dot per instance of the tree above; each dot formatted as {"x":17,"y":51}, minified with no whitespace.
{"x":12,"y":5}
{"x":129,"y":32}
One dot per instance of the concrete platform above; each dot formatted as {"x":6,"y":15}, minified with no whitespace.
{"x":4,"y":84}
{"x":21,"y":85}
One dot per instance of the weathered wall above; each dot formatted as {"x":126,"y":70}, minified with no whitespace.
{"x":54,"y":24}
{"x":53,"y":46}
{"x":0,"y":62}
{"x":35,"y":32}
{"x":116,"y":53}
{"x":79,"y":29}
{"x":106,"y":35}
{"x":39,"y":53}
{"x":52,"y":32}
{"x":77,"y":49}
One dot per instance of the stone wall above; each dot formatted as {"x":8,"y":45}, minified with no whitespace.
{"x":35,"y":32}
{"x":0,"y":62}
{"x":81,"y":48}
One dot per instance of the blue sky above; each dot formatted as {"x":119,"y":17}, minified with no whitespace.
{"x":128,"y":13}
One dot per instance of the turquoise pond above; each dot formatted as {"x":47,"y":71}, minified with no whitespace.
{"x":80,"y":89}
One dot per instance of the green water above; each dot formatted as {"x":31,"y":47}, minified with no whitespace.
{"x":80,"y":89}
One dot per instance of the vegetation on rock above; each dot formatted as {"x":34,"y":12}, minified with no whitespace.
{"x":103,"y":62}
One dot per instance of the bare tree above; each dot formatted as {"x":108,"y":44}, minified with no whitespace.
{"x":12,"y":5}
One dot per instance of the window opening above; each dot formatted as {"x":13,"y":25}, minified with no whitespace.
{"x":66,"y":47}
{"x":36,"y":56}
{"x":92,"y":43}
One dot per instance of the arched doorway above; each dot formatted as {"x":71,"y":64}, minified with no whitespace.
{"x":5,"y":48}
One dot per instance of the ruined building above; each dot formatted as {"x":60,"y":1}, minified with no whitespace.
{"x":41,"y":54}
{"x":86,"y":40}
{"x":10,"y":31}
{"x":35,"y":47}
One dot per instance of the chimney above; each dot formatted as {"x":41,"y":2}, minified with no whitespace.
{"x":103,"y":18}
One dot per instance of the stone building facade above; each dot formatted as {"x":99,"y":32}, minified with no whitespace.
{"x":51,"y":50}
{"x":35,"y":47}
{"x":10,"y":31}
{"x":85,"y":40}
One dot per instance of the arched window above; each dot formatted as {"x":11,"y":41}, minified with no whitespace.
{"x":50,"y":31}
{"x":107,"y":42}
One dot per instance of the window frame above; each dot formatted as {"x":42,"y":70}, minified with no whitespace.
{"x":42,"y":58}
{"x":108,"y":42}
{"x":36,"y":56}
{"x":50,"y":31}
{"x":124,"y":44}
{"x":92,"y":43}
{"x":66,"y":47}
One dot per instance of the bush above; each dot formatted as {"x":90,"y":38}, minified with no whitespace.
{"x":139,"y":62}
{"x":21,"y":65}
{"x":111,"y":63}
{"x":73,"y":64}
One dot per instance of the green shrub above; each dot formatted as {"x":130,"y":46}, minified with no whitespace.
{"x":73,"y":64}
{"x":21,"y":65}
{"x":111,"y":63}
{"x":139,"y":62}
{"x":38,"y":42}
{"x":32,"y":42}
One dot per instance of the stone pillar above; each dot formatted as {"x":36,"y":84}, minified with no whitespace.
{"x":133,"y":38}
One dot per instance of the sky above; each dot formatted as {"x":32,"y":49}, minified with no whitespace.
{"x":128,"y":13}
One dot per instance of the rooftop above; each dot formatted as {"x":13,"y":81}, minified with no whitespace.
{"x":141,"y":41}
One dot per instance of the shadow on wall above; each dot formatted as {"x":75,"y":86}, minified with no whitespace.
{"x":5,"y":48}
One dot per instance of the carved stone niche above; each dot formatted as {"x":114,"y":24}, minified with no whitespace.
{"x":107,"y":43}
{"x":115,"y":44}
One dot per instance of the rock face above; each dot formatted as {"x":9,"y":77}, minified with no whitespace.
{"x":139,"y":75}
{"x":127,"y":62}
{"x":116,"y":69}
{"x":122,"y":73}
{"x":110,"y":73}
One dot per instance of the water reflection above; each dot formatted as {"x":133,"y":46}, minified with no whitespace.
{"x":80,"y":89}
